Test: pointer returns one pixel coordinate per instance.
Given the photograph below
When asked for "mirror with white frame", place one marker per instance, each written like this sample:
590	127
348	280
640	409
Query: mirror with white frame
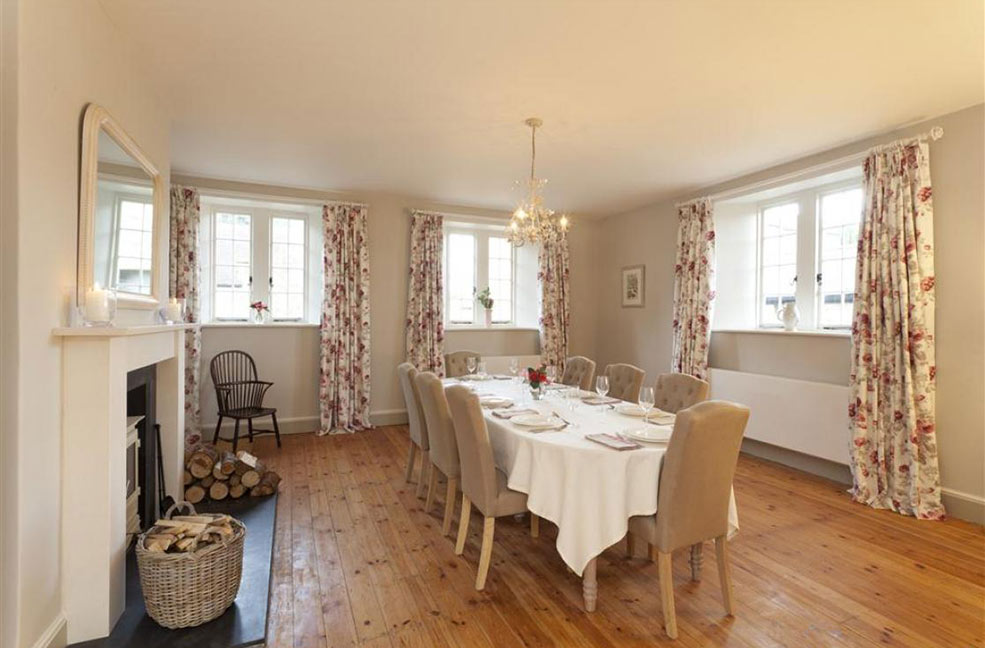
120	208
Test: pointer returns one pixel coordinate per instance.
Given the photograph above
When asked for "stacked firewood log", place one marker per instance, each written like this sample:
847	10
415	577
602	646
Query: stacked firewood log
218	475
186	533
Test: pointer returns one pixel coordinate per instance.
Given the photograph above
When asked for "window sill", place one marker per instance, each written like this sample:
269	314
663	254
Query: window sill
807	333
259	326
489	329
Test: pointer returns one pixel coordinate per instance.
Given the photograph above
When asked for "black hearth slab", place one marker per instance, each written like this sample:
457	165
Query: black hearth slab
243	624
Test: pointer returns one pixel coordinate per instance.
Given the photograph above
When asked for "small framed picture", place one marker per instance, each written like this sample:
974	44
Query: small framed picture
633	286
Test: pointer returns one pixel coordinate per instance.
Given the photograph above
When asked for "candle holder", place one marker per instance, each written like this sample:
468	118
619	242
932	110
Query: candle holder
173	312
99	307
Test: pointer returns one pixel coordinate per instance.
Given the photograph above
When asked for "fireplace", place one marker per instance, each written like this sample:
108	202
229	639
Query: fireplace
141	466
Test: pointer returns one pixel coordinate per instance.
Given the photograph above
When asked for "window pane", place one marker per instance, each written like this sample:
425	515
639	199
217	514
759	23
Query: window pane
461	278
501	279
778	259
232	265
840	216
287	267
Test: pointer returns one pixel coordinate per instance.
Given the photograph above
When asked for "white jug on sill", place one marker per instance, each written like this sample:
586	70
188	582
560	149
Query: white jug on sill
789	315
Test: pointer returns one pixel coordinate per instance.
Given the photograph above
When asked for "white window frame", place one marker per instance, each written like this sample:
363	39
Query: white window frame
819	255
808	292
261	223
482	233
270	269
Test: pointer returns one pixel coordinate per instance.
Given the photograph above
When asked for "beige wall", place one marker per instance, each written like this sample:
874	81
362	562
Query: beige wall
70	54
643	336
389	258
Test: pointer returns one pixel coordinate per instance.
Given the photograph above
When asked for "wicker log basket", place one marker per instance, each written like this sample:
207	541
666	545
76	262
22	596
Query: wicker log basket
197	585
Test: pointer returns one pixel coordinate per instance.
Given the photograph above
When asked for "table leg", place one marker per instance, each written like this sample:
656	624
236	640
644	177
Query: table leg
697	557
590	585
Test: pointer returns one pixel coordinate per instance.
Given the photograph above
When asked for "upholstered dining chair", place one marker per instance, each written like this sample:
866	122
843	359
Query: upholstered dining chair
625	381
415	423
677	391
444	446
694	493
239	394
456	363
483	484
578	372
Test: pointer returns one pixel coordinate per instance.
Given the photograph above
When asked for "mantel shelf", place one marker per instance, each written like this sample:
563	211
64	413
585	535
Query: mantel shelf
119	331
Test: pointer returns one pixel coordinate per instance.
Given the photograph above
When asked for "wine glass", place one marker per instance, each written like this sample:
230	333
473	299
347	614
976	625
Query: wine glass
550	373
514	366
471	363
646	401
602	385
482	369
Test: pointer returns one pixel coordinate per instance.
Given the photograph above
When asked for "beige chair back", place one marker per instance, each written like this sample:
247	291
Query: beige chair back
456	363
474	449
625	381
412	400
579	372
677	391
696	476
437	418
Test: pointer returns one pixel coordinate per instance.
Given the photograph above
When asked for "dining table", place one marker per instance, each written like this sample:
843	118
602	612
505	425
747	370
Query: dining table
587	489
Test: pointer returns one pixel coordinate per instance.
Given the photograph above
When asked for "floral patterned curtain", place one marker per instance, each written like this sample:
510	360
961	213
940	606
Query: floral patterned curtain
892	415
344	386
694	287
183	282
555	312
425	294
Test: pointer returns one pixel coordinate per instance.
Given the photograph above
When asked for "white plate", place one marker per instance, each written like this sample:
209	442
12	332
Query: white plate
630	409
536	421
495	401
650	434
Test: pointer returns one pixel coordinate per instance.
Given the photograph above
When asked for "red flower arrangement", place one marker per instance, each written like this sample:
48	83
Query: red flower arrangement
259	306
536	377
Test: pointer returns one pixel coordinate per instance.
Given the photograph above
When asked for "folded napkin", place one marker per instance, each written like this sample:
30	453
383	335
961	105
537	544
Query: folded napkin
508	413
496	401
661	418
599	400
613	441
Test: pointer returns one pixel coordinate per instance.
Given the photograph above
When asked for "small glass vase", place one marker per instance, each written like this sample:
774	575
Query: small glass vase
537	392
259	316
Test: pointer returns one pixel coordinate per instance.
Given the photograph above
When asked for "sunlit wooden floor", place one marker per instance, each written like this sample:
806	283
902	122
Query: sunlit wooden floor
359	562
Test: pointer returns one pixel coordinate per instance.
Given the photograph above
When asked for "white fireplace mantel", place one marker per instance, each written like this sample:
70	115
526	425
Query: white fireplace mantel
95	362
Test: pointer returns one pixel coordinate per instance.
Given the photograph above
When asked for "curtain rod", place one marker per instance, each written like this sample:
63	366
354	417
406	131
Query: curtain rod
499	220
934	134
250	195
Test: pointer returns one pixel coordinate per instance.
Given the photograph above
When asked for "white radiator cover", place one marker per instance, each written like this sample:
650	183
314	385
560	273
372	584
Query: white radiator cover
808	417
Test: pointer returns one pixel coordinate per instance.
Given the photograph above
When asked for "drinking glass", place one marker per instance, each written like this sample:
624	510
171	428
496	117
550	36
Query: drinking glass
602	385
646	401
482	369
471	363
514	366
550	373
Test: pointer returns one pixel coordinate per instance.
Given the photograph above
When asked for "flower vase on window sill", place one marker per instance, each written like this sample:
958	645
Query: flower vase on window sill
537	378
485	298
259	313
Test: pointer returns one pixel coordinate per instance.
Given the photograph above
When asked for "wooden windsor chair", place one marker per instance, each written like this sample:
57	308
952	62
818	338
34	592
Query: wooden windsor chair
239	394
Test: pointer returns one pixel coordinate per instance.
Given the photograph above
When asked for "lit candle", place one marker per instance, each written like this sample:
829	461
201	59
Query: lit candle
172	311
97	304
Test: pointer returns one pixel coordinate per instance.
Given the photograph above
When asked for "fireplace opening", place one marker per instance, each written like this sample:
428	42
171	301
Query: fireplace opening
142	455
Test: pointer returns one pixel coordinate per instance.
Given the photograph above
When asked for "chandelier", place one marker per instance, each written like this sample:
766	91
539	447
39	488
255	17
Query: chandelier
531	221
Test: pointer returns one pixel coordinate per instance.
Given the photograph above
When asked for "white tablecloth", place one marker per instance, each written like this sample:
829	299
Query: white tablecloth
588	490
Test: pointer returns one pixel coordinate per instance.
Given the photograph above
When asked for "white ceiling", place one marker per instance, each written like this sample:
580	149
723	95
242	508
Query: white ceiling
641	100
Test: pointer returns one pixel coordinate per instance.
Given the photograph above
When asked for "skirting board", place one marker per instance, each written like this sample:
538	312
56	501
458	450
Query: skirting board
304	424
55	635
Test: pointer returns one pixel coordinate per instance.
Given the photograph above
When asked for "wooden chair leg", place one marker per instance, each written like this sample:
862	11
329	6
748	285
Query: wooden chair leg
450	489
463	524
653	552
666	571
410	462
724	573
432	487
236	436
425	471
485	554
697	556
534	525
273	416
630	545
218	424
249	428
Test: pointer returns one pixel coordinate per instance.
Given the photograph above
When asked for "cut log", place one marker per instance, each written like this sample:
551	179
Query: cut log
194	494
267	484
250	478
246	462
189	478
218	474
234	480
227	463
202	461
236	490
219	490
207	481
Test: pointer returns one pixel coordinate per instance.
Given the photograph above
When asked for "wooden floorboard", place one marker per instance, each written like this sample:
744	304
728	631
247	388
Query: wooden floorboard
359	562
